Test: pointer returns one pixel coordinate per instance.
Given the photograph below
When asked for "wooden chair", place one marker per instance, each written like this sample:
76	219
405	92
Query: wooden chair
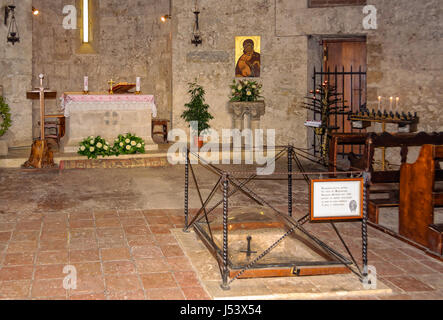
164	128
55	125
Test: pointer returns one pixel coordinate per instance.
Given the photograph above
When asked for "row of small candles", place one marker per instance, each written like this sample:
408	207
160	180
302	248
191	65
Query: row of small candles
391	100
86	84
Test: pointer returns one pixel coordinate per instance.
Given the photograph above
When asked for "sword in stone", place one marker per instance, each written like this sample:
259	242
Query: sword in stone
248	251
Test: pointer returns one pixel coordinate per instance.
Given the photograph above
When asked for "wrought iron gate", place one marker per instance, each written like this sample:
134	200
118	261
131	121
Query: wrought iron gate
351	85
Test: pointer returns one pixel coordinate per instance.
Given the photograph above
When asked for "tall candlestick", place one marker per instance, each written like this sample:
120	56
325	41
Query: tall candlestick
137	85
85	84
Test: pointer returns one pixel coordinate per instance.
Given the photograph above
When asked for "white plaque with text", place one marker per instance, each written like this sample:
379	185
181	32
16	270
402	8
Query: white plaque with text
336	199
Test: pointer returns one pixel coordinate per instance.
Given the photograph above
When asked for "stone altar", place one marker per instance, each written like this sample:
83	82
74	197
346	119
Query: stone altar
107	116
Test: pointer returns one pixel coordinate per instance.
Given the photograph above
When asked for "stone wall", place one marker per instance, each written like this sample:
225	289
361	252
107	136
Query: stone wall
128	40
404	56
16	72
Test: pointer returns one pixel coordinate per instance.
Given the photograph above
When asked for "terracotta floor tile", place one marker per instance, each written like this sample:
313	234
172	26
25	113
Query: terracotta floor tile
83	244
53	271
159	220
52	257
172	251
186	279
130	213
158	280
137	231
413	266
55	225
87	284
115	254
160	228
132	295
5	226
22	246
48	288
127	222
83	255
165	294
90	296
83	234
17	259
25	235
195	293
28	226
88	268
408	283
80	224
81	216
53	245
61	234
109	243
141	241
14	289
110	234
118	267
16	273
122	283
107	223
179	264
433	264
165	239
146	252
5	236
154	213
151	265
105	214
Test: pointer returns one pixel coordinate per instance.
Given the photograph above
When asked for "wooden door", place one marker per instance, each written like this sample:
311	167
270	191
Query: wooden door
348	59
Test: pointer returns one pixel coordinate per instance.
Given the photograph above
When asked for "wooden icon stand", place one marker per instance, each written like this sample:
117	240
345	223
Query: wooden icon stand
41	156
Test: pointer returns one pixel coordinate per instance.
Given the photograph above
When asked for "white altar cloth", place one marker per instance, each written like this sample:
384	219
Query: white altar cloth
107	116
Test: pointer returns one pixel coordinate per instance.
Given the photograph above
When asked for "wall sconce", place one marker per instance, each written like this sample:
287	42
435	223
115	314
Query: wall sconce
35	11
196	37
165	17
13	35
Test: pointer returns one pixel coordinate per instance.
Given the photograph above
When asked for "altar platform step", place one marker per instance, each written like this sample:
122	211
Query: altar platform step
156	158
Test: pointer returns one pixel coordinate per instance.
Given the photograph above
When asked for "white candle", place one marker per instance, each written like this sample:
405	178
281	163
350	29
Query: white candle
379	102
396	103
137	85
85	84
390	104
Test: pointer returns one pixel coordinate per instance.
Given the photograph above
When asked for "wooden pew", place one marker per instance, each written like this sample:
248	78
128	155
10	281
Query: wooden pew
418	197
383	181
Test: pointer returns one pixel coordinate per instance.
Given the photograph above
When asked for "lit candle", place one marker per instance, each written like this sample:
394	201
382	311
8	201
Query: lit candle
379	102
137	84
85	84
390	103
396	103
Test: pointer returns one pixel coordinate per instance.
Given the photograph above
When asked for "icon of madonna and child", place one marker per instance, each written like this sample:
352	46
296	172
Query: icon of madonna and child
248	57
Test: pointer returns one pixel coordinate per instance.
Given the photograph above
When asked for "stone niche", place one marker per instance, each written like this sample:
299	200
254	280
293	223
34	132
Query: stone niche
251	111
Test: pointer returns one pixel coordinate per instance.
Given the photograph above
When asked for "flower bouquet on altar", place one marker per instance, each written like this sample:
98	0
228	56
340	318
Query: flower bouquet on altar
128	144
245	90
92	147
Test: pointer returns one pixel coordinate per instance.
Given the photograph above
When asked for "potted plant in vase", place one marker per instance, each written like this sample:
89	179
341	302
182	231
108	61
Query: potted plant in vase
244	100
197	111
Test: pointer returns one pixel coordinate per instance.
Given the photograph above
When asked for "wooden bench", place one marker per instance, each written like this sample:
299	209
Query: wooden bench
419	197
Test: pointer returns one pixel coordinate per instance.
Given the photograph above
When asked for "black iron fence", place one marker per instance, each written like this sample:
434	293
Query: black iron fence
351	86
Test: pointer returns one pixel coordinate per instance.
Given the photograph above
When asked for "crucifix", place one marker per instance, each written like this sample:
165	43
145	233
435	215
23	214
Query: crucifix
111	85
41	156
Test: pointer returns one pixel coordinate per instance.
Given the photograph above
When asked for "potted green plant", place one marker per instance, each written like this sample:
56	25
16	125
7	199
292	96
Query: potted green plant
5	124
197	111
